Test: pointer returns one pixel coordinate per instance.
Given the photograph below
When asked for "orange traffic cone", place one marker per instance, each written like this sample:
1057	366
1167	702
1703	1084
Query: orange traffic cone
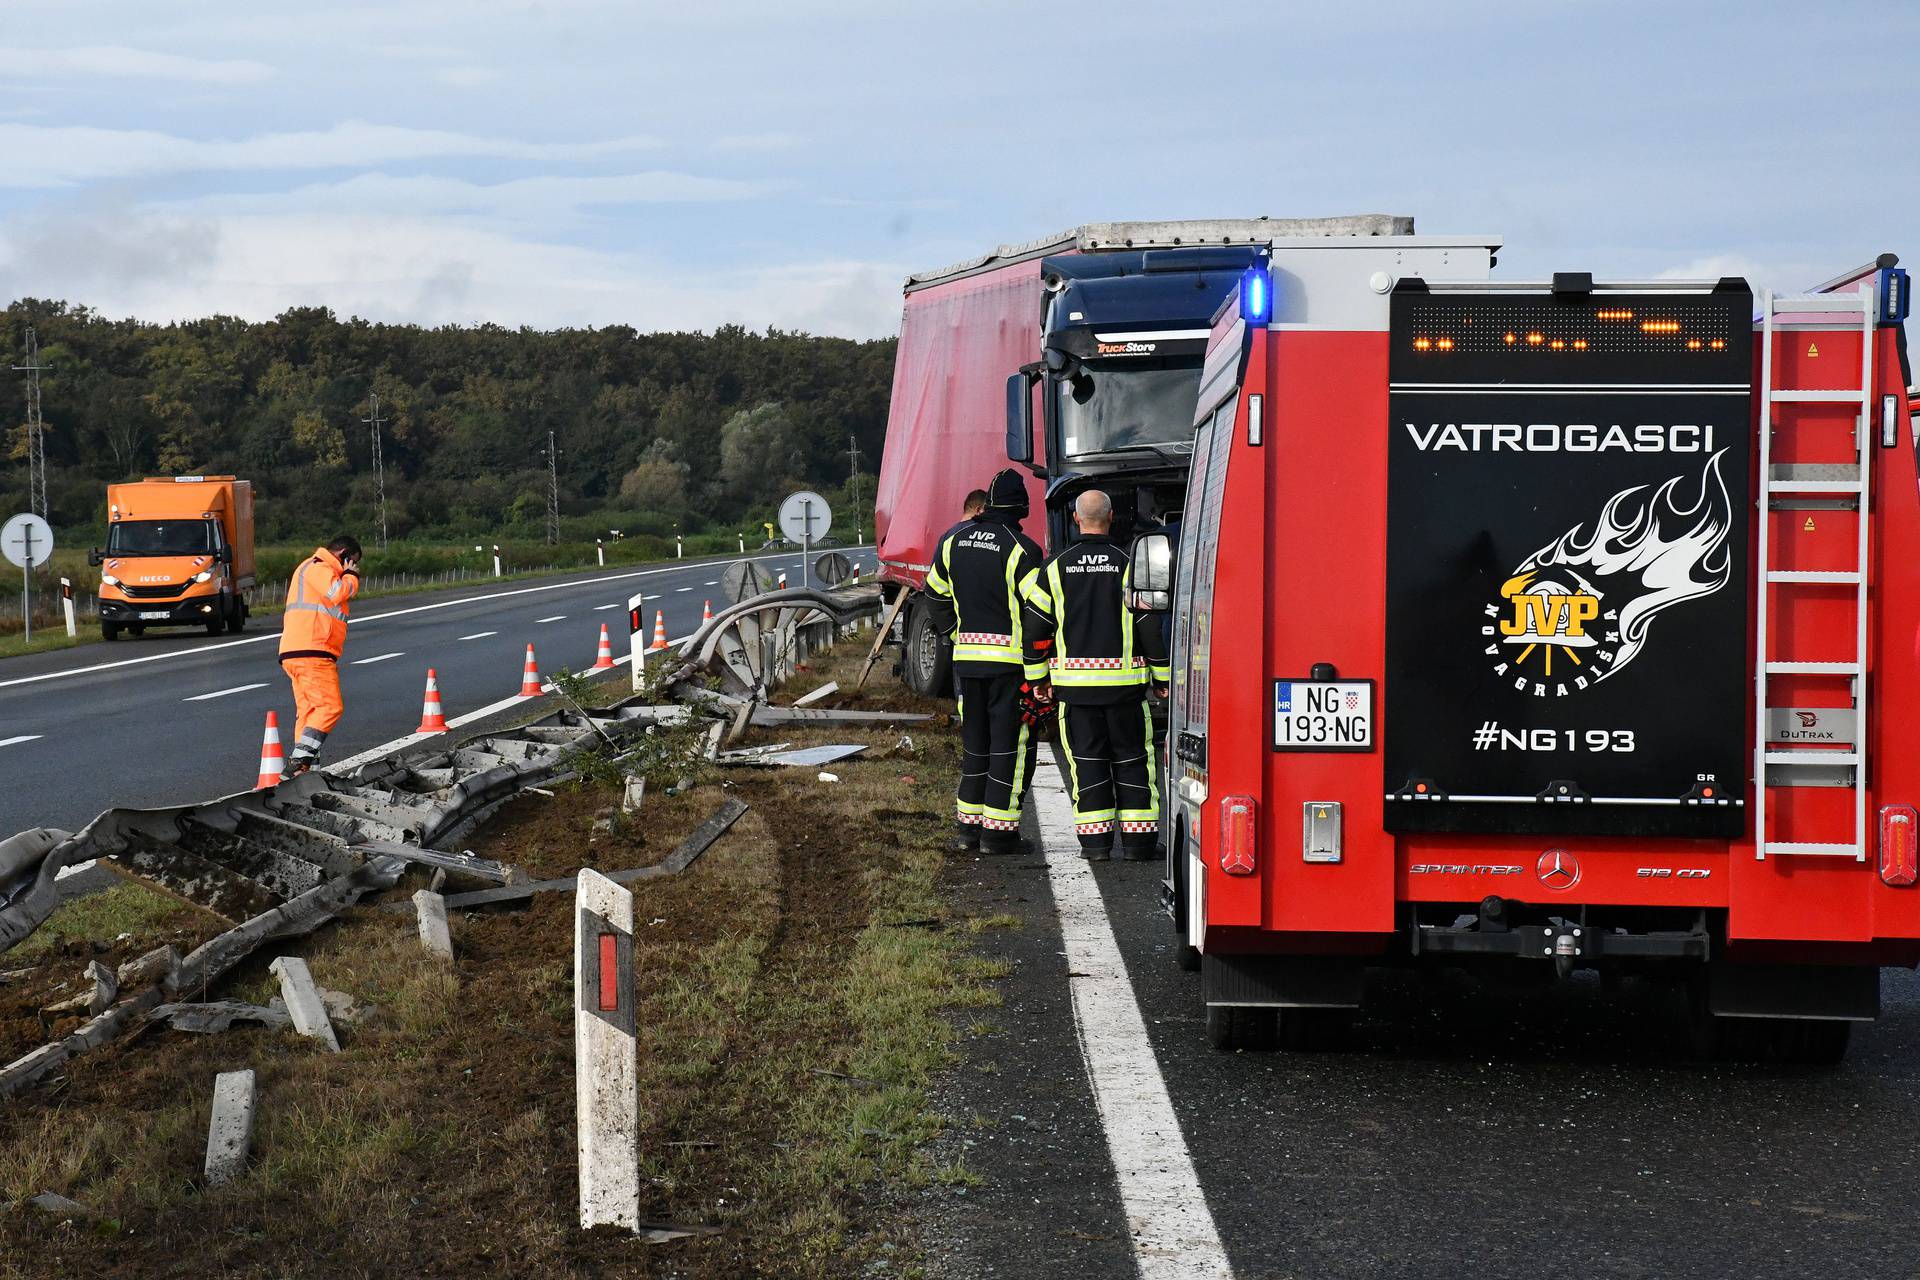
273	760
603	661
706	612
530	677
432	718
659	632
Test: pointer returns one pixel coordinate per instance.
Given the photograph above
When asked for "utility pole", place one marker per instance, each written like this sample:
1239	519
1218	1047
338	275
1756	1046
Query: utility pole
553	491
36	430
853	483
379	466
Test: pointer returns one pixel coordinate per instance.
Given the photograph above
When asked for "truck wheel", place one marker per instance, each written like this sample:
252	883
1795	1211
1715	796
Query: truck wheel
1241	1027
1811	1042
1185	954
240	615
928	664
109	631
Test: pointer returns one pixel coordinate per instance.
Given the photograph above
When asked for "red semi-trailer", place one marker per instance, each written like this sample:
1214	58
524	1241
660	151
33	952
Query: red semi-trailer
1109	324
1573	625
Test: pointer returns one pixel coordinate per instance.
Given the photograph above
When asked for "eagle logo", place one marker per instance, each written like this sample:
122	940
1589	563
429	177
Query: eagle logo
1579	609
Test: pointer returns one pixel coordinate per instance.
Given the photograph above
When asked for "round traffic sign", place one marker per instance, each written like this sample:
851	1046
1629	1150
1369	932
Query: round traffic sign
744	580
804	517
832	568
26	540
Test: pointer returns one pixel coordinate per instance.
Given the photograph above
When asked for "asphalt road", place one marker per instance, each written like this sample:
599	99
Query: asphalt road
176	716
1465	1130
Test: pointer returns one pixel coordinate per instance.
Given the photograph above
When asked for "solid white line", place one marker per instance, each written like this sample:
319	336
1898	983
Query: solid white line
274	636
25	737
382	657
558	617
480	635
219	693
1174	1237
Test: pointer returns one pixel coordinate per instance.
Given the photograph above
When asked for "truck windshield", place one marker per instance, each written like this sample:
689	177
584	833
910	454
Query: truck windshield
1128	404
161	538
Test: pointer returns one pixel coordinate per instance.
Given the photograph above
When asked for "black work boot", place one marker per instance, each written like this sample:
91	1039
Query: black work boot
965	840
1096	852
1140	852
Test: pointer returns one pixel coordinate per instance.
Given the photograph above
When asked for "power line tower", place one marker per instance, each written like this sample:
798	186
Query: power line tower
374	420
36	430
853	483
553	492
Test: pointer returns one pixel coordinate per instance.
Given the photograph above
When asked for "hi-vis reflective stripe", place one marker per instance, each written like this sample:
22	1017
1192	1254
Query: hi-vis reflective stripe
327	609
1100	664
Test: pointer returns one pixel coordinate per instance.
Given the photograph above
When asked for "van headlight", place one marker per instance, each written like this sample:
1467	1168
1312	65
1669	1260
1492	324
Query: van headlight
108	580
205	575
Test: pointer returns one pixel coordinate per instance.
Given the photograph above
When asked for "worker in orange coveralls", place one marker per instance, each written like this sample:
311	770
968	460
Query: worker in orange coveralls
311	636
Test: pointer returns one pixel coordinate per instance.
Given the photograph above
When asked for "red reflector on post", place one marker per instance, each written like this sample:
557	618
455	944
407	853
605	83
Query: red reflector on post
1237	833
1899	858
609	972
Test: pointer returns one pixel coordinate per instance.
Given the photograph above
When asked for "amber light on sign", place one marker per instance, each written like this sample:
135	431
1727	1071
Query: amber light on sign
1534	339
1694	344
1445	344
1660	326
1579	344
1510	339
1421	344
1718	344
1613	315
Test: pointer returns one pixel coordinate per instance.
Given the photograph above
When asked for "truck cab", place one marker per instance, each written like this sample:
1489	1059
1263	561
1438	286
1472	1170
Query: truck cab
179	553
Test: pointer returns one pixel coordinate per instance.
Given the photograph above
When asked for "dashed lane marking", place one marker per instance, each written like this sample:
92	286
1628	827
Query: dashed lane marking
683	588
480	635
274	636
379	657
710	584
602	608
219	693
19	738
558	617
1174	1237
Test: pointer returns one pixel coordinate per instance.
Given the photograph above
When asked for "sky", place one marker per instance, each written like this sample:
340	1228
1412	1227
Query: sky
686	165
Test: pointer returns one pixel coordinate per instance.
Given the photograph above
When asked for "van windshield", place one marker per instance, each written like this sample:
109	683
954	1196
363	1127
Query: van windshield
1128	404
161	538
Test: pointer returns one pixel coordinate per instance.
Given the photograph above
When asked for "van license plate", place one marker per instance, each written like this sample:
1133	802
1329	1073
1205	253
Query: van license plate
1323	715
155	615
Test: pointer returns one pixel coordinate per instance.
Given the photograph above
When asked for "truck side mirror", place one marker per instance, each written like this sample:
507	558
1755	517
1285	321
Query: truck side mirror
95	558
1020	419
1151	577
224	555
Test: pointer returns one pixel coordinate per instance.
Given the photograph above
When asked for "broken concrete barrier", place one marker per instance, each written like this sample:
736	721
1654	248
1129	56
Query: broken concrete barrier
230	1132
304	1006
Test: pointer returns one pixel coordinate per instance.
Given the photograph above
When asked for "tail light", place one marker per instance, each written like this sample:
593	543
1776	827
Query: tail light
1237	833
1899	858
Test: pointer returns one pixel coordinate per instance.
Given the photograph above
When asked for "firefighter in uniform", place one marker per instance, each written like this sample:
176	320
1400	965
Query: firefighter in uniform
1102	658
974	589
312	634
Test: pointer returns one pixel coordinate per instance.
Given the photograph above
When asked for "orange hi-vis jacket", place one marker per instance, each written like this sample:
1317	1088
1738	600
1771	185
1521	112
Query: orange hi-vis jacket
316	620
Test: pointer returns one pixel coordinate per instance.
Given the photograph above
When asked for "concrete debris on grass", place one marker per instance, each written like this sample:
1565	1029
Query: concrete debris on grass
431	909
59	1206
213	1016
230	1131
309	1012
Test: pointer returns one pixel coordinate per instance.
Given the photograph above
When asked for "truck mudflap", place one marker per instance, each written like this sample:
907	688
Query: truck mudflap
1274	981
1842	992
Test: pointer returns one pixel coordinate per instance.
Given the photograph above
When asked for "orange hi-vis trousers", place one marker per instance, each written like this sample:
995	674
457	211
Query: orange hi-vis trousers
317	705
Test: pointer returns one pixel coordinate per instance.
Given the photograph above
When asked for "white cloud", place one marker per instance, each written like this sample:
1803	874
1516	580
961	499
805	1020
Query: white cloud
466	77
425	270
120	62
55	155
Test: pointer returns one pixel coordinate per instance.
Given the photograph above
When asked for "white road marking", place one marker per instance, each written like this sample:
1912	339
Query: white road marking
1174	1237
24	737
219	693
683	588
400	744
274	636
558	617
711	584
480	635
602	608
379	657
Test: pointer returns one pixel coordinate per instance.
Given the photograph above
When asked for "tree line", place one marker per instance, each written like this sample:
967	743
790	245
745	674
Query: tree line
653	430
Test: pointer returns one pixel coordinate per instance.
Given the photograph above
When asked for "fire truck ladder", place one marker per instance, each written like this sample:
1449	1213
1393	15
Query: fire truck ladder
1846	484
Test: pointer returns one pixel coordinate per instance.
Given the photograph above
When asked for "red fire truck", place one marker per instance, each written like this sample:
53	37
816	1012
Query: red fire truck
1572	625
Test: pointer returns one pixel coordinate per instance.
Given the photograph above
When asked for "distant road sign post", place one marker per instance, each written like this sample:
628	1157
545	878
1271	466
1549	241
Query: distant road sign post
805	516
26	540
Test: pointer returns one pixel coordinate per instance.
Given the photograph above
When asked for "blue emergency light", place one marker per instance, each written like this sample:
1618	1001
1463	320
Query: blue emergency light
1895	290
1256	296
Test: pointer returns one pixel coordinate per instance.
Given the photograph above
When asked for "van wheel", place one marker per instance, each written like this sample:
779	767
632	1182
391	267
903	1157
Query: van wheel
109	631
928	663
218	624
1241	1027
240	615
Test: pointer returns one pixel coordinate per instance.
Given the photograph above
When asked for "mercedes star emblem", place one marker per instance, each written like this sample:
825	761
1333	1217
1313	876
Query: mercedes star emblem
1558	870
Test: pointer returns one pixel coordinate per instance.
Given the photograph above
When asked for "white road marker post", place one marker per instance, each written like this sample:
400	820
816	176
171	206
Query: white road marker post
600	550
66	604
496	562
606	1054
636	639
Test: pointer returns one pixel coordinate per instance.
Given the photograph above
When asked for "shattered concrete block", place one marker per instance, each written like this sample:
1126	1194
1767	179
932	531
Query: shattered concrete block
636	791
304	1006
105	987
828	689
59	1206
431	909
230	1132
158	966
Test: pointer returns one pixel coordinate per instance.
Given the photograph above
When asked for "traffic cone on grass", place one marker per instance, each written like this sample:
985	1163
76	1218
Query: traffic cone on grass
530	677
603	661
659	632
432	718
273	760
